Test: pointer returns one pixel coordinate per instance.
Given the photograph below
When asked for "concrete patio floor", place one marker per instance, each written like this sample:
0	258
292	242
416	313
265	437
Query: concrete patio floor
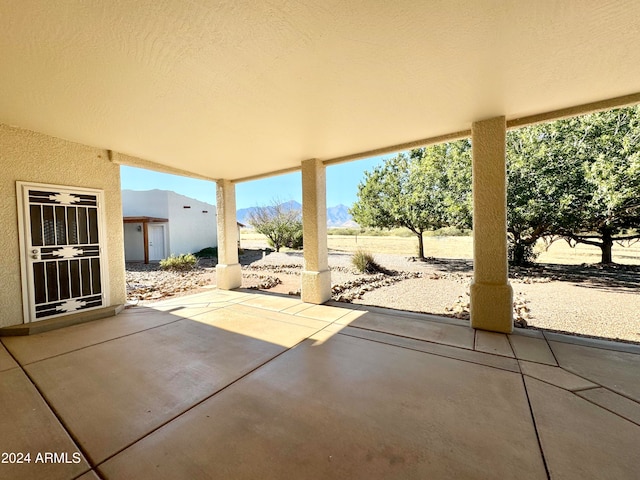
250	385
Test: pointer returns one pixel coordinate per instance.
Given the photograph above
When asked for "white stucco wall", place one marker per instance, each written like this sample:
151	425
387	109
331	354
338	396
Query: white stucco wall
33	157
133	242
188	230
191	229
147	203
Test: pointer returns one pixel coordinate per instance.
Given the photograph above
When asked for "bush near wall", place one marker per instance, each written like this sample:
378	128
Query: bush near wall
186	261
209	252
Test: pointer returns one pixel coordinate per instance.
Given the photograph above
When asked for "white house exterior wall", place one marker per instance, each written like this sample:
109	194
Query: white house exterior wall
148	203
187	231
133	242
190	229
33	157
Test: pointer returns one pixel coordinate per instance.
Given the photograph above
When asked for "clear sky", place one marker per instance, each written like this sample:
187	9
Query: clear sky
342	185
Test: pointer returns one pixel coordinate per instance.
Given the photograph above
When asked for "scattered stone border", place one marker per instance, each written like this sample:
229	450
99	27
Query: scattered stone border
268	281
461	308
154	284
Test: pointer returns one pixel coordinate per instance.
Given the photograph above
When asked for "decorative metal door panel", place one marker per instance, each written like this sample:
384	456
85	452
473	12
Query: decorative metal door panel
62	249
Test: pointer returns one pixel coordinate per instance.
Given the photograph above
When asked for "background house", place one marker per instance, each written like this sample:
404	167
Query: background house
159	223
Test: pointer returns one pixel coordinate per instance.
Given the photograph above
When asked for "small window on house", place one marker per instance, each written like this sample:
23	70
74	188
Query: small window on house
205	211
186	206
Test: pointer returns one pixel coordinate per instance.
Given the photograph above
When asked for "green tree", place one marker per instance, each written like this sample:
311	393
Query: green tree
420	191
608	144
279	222
545	186
578	178
452	161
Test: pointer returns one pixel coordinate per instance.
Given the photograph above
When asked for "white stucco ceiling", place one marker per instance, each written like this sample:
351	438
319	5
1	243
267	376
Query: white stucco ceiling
230	89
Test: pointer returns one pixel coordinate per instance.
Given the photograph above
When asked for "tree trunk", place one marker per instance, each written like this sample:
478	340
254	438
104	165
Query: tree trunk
607	243
420	246
519	253
516	250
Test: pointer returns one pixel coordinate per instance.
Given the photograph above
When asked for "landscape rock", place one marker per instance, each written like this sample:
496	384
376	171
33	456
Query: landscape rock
149	282
461	308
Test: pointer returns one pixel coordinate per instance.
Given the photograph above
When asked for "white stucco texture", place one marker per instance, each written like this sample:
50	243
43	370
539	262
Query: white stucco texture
33	157
228	272
231	89
491	294
133	242
316	277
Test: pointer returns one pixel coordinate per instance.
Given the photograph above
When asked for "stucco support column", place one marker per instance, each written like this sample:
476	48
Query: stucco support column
228	273
316	278
491	293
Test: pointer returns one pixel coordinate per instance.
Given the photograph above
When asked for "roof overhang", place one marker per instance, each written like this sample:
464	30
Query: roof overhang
144	220
239	90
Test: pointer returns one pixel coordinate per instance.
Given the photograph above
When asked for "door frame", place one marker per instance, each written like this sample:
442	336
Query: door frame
24	236
164	239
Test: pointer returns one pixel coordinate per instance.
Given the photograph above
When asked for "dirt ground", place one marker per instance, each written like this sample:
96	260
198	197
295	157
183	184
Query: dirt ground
586	299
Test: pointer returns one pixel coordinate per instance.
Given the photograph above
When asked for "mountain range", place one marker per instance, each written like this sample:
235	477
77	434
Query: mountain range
337	216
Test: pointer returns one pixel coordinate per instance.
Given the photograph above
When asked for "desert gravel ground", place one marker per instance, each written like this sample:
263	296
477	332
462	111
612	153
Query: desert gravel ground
583	300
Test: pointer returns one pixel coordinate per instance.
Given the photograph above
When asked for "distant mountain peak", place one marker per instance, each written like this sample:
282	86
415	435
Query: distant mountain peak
292	205
337	216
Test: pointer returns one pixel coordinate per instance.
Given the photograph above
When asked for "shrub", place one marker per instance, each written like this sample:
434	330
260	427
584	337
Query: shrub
209	252
280	222
185	261
364	262
295	239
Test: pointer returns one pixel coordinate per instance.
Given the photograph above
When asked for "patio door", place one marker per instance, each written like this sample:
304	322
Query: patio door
61	246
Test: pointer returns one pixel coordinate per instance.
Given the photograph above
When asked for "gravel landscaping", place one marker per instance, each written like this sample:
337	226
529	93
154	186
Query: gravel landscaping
586	300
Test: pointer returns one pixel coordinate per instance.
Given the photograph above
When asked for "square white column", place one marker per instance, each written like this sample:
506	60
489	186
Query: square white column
316	277
228	273
491	293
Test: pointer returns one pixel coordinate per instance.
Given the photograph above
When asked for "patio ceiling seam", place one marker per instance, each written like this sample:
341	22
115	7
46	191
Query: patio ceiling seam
585	108
511	124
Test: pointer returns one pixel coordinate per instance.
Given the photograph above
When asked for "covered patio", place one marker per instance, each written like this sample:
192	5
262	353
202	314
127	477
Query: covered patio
233	384
236	384
233	92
